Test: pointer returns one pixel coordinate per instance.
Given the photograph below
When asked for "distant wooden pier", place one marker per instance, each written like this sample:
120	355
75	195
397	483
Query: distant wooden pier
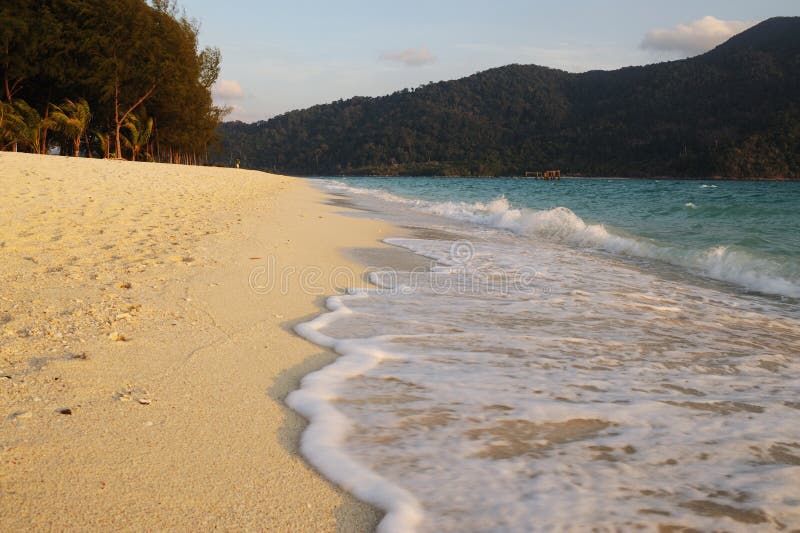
544	174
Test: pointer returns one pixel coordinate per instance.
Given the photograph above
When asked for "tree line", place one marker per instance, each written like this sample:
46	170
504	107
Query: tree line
732	112
122	79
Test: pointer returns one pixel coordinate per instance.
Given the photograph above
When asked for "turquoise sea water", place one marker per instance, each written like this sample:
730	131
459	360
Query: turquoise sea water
756	216
581	355
746	233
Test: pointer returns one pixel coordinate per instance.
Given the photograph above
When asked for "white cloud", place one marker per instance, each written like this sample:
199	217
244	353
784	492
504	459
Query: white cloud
695	37
410	57
228	90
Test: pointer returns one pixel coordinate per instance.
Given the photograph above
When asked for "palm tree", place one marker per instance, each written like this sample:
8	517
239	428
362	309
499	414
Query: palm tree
105	143
72	120
138	134
5	128
23	125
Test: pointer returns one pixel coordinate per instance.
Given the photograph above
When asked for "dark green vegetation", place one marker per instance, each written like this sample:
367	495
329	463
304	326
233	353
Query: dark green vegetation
732	112
117	79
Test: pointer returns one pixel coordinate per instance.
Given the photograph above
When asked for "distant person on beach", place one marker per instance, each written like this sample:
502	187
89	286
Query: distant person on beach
237	163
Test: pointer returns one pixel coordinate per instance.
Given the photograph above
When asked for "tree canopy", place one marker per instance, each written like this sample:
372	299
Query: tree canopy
129	61
732	112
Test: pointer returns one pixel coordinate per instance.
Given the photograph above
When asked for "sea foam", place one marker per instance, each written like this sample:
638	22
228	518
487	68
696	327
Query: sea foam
596	396
760	273
593	395
322	441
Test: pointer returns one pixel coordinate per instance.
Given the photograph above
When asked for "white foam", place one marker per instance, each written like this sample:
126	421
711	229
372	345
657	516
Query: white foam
322	442
762	274
695	386
740	267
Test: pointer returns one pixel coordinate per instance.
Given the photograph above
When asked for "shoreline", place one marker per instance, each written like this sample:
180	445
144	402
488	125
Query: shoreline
128	302
556	370
643	178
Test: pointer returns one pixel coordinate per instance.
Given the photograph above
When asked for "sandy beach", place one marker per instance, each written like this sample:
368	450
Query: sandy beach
142	377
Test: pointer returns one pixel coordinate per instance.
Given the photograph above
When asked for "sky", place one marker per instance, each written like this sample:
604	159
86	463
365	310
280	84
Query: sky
283	55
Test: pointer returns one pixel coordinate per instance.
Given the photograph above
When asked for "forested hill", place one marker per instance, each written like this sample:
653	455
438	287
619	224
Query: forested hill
732	112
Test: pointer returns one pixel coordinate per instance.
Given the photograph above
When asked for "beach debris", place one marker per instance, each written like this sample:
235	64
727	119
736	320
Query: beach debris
125	285
82	356
132	392
181	259
65	411
19	415
116	336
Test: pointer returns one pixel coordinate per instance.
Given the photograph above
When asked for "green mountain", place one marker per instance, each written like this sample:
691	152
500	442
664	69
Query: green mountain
732	112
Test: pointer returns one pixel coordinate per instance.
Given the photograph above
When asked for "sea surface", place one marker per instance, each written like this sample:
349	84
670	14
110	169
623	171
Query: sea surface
587	354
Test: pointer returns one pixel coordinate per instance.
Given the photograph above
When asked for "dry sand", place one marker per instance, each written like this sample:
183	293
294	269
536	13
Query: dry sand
125	298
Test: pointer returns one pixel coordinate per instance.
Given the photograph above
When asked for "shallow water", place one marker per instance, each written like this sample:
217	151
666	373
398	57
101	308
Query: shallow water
536	377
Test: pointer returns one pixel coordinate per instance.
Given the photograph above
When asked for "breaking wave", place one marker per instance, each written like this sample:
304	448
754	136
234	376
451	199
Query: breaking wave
756	272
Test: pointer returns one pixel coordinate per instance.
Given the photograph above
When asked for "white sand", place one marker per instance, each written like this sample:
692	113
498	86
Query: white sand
182	425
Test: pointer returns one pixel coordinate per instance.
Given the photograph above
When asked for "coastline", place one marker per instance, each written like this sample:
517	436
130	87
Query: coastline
568	177
593	353
143	377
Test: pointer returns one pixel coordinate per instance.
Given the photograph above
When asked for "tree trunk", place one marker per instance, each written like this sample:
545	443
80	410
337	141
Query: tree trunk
117	143
118	121
43	148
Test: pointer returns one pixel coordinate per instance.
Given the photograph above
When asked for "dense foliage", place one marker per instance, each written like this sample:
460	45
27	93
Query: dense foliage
115	79
734	112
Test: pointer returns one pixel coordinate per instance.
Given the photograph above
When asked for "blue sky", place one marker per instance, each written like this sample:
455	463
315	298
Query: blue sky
278	56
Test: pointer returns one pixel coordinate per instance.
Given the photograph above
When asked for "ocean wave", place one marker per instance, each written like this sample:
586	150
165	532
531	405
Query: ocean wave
322	441
760	273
